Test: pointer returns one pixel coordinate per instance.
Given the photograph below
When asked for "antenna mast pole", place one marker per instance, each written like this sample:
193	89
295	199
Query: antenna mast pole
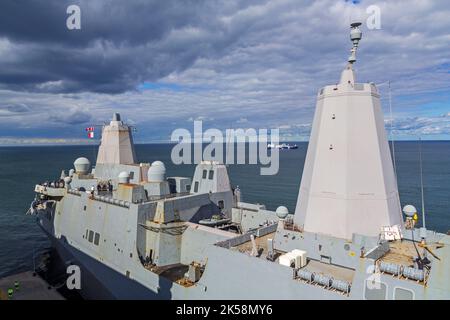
392	134
421	182
355	37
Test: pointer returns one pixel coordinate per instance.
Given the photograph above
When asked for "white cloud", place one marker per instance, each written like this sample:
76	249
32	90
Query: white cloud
11	141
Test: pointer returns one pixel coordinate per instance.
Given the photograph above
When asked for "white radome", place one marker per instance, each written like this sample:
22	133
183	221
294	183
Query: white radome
124	177
157	172
82	165
409	210
282	212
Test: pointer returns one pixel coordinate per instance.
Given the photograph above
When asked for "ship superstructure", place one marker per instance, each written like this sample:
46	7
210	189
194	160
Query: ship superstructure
137	233
347	138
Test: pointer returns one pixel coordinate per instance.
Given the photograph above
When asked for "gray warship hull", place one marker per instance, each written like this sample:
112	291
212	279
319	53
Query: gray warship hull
226	278
100	282
137	234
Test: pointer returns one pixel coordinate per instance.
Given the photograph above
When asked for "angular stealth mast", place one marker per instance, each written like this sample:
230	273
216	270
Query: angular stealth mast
117	143
348	184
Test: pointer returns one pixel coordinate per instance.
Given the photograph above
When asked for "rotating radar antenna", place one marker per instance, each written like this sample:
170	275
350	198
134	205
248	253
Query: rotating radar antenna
355	37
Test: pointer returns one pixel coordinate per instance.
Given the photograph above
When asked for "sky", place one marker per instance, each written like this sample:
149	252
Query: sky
231	64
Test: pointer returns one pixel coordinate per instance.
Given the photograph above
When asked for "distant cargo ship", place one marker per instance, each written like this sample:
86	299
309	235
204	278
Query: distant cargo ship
283	146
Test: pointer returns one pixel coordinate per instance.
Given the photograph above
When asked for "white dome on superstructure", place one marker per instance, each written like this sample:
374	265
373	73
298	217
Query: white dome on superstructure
157	172
409	210
124	177
158	163
282	212
82	165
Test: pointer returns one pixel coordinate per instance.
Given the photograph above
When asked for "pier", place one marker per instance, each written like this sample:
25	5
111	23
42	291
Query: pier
27	286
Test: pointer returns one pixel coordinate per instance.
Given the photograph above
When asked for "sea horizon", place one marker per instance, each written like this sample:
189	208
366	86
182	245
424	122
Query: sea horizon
97	143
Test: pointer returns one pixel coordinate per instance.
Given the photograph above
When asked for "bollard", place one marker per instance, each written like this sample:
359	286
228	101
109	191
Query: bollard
16	285
10	293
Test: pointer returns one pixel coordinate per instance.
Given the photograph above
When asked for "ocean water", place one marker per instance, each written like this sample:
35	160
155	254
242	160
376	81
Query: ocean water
22	167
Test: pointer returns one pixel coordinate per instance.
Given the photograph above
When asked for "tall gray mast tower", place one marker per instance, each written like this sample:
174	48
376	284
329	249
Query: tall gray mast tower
348	184
116	146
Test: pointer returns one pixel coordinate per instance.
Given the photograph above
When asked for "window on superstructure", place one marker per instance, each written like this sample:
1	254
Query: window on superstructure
211	174
205	172
91	235
196	186
97	238
87	233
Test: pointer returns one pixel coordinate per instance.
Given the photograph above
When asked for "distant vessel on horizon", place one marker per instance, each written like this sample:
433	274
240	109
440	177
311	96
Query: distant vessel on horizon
283	146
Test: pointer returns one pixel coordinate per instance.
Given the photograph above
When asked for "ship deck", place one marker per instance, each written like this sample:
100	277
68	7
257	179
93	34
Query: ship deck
404	252
338	272
261	245
174	272
401	252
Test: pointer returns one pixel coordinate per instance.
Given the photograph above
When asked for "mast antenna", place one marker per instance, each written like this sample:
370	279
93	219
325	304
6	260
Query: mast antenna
421	182
391	129
355	36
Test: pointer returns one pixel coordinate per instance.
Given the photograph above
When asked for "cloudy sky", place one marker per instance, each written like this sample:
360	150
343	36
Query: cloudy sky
232	64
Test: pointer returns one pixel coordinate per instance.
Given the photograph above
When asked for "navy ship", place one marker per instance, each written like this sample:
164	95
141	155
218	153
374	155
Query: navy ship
283	146
136	233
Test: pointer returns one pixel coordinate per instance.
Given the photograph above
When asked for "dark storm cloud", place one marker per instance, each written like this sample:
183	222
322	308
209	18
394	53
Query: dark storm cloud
120	44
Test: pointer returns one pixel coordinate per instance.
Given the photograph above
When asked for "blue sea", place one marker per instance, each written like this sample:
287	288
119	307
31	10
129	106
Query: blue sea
22	167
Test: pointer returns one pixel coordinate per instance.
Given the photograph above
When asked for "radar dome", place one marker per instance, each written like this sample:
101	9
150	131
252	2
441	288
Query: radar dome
157	172
158	163
124	177
82	165
282	212
409	210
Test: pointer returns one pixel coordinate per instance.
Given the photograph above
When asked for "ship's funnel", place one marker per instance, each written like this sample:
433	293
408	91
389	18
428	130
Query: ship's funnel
116	146
348	184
